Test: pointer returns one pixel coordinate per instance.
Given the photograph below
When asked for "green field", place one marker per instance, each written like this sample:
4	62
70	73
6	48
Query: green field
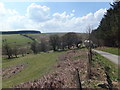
37	65
110	50
16	39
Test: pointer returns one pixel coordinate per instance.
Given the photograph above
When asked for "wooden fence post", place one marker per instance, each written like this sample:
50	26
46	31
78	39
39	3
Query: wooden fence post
89	62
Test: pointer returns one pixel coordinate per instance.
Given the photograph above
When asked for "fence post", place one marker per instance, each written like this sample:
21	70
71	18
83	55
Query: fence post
78	79
89	62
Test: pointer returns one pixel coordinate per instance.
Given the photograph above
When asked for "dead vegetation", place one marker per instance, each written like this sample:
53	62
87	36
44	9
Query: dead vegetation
65	75
10	71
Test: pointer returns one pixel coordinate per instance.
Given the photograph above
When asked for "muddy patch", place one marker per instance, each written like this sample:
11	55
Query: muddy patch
10	71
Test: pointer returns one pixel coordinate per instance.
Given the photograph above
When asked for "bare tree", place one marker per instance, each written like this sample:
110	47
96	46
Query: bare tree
15	50
7	49
70	39
43	46
22	51
54	41
34	47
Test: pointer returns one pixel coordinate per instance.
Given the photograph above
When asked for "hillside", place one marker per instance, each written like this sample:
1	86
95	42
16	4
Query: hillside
56	70
30	67
16	40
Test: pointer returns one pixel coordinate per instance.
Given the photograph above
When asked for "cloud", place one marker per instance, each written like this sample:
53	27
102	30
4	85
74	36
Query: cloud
6	12
99	14
2	10
68	23
63	16
6	17
38	13
39	17
73	11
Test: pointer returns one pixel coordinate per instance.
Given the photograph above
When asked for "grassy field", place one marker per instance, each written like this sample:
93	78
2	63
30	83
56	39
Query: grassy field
37	65
16	39
110	50
40	64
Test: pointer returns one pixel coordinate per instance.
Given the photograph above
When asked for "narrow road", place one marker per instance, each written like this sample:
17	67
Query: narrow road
109	56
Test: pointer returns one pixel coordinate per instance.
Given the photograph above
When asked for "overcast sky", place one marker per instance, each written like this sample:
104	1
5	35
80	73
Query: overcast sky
51	16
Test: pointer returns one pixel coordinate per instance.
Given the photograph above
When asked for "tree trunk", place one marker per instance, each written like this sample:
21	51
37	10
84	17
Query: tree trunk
9	56
16	55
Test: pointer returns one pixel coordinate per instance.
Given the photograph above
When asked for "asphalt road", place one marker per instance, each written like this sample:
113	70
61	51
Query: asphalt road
109	56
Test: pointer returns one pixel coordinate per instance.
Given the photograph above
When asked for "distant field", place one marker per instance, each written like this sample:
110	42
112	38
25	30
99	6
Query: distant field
110	50
37	65
44	35
16	39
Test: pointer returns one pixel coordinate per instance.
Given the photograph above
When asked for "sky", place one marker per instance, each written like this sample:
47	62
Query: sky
51	16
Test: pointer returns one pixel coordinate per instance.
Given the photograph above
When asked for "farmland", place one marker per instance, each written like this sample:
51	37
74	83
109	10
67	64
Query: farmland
16	39
54	69
74	57
36	66
62	70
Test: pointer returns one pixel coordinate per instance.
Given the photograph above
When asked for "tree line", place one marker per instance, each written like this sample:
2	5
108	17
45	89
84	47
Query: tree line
107	32
13	51
55	43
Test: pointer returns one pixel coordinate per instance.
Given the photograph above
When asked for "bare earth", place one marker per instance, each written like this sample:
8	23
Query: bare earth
10	71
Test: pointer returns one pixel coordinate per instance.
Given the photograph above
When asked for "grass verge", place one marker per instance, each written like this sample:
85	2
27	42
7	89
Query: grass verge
110	50
114	70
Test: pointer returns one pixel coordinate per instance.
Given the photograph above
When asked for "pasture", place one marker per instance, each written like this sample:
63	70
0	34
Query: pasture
16	39
54	69
35	67
58	66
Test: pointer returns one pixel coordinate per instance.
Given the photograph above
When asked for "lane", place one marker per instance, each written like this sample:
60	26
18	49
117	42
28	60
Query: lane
109	56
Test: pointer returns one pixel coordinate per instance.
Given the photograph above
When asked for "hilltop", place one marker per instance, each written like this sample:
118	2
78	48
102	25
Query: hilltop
20	32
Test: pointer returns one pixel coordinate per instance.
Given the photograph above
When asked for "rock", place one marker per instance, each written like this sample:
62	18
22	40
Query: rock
13	72
82	82
58	65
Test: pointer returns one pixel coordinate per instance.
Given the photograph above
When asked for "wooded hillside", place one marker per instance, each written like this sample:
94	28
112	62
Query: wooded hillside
107	32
